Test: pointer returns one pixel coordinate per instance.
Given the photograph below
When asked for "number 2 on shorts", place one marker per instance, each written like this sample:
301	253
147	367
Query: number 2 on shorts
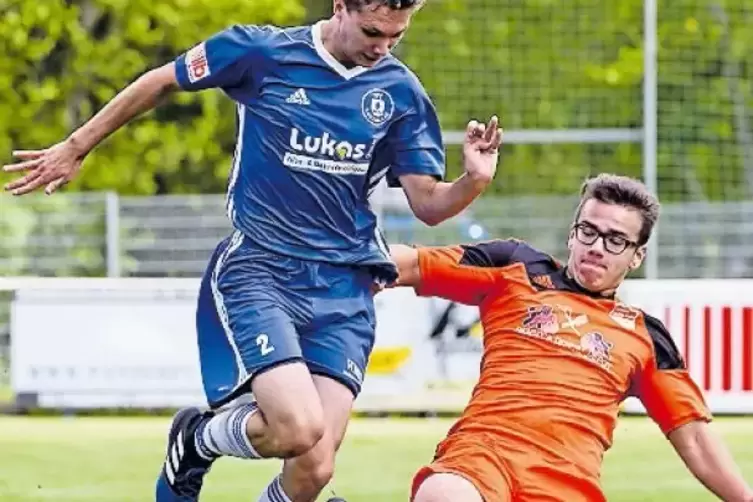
262	341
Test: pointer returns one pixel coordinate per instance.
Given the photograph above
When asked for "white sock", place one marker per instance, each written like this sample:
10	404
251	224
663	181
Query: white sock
274	492
225	434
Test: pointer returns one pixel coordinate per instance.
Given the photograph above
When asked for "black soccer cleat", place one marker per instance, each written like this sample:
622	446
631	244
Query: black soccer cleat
183	471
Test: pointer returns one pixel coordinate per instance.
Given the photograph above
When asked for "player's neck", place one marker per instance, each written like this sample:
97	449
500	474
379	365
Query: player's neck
607	293
330	42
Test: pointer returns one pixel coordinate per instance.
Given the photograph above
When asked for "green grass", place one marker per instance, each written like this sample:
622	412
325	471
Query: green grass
116	459
6	394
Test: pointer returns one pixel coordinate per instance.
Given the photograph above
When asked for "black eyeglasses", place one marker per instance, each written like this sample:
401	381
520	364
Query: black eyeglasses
613	243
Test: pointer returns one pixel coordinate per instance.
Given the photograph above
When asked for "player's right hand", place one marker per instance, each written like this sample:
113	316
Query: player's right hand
481	149
52	168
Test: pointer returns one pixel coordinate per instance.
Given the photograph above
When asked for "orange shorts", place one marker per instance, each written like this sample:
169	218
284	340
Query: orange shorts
509	471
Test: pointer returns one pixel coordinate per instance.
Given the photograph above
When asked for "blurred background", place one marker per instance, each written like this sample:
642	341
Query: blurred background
656	89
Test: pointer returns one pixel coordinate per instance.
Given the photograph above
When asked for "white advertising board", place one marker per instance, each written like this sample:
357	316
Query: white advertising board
83	343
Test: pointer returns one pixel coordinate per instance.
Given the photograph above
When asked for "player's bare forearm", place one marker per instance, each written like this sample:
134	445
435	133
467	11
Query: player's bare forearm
406	259
55	166
434	202
709	460
139	97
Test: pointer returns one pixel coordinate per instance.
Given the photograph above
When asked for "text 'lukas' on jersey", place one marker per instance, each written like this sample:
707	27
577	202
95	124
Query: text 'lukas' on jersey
327	154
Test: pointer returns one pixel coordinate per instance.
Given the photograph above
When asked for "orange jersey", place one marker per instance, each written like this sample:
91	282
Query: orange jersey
558	360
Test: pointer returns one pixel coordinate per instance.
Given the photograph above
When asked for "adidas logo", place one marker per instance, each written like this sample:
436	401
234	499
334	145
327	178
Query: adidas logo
298	98
172	462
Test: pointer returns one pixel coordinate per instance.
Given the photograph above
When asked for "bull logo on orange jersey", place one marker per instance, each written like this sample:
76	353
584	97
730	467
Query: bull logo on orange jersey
542	319
596	346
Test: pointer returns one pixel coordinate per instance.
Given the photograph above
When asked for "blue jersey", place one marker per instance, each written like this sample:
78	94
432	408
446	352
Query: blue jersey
314	139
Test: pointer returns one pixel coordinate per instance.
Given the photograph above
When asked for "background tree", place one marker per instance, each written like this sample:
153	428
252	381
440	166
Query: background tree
63	60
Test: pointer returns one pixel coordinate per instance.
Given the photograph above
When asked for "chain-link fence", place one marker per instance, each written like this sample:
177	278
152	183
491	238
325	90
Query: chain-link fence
173	236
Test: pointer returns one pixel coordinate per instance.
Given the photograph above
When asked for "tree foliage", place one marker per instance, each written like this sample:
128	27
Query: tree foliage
539	64
542	64
64	59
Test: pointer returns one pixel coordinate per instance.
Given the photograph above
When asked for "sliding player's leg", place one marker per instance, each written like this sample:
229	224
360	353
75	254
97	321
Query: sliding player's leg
546	478
465	467
447	487
247	342
336	346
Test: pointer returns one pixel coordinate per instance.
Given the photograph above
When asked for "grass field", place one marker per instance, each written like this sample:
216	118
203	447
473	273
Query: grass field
116	459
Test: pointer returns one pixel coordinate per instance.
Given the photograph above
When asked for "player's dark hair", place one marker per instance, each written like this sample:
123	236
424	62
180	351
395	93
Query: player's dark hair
392	4
622	191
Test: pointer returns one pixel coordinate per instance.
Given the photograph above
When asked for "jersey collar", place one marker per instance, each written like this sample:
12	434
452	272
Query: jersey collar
337	66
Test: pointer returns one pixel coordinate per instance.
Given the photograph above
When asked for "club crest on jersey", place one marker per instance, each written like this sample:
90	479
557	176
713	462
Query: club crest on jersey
197	63
377	106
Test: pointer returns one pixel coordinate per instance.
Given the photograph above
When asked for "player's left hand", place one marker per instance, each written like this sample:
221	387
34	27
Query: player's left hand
481	149
52	168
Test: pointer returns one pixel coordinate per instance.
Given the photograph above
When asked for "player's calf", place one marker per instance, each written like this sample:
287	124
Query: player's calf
307	475
304	484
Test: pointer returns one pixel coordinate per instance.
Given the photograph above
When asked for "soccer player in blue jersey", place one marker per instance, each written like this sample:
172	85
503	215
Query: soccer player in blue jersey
285	310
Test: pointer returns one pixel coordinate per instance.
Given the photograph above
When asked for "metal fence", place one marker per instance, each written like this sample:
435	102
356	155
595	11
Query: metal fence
106	235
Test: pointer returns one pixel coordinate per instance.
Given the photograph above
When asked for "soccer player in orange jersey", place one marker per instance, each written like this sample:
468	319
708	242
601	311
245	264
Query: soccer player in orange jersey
561	352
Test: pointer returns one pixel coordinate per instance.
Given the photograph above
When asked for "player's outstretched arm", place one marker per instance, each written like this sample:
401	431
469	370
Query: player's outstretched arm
461	273
55	166
709	460
406	259
434	202
675	402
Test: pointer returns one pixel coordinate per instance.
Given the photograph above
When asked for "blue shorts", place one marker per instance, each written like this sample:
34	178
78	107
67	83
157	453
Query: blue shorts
257	310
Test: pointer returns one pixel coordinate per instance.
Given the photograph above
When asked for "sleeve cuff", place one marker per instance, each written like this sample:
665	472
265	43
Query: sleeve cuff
668	428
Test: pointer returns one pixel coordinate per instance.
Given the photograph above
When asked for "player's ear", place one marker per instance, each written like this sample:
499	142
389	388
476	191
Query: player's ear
638	257
338	7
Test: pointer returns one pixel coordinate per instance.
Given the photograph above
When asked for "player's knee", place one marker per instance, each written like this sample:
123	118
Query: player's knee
299	440
298	431
293	412
447	488
429	492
